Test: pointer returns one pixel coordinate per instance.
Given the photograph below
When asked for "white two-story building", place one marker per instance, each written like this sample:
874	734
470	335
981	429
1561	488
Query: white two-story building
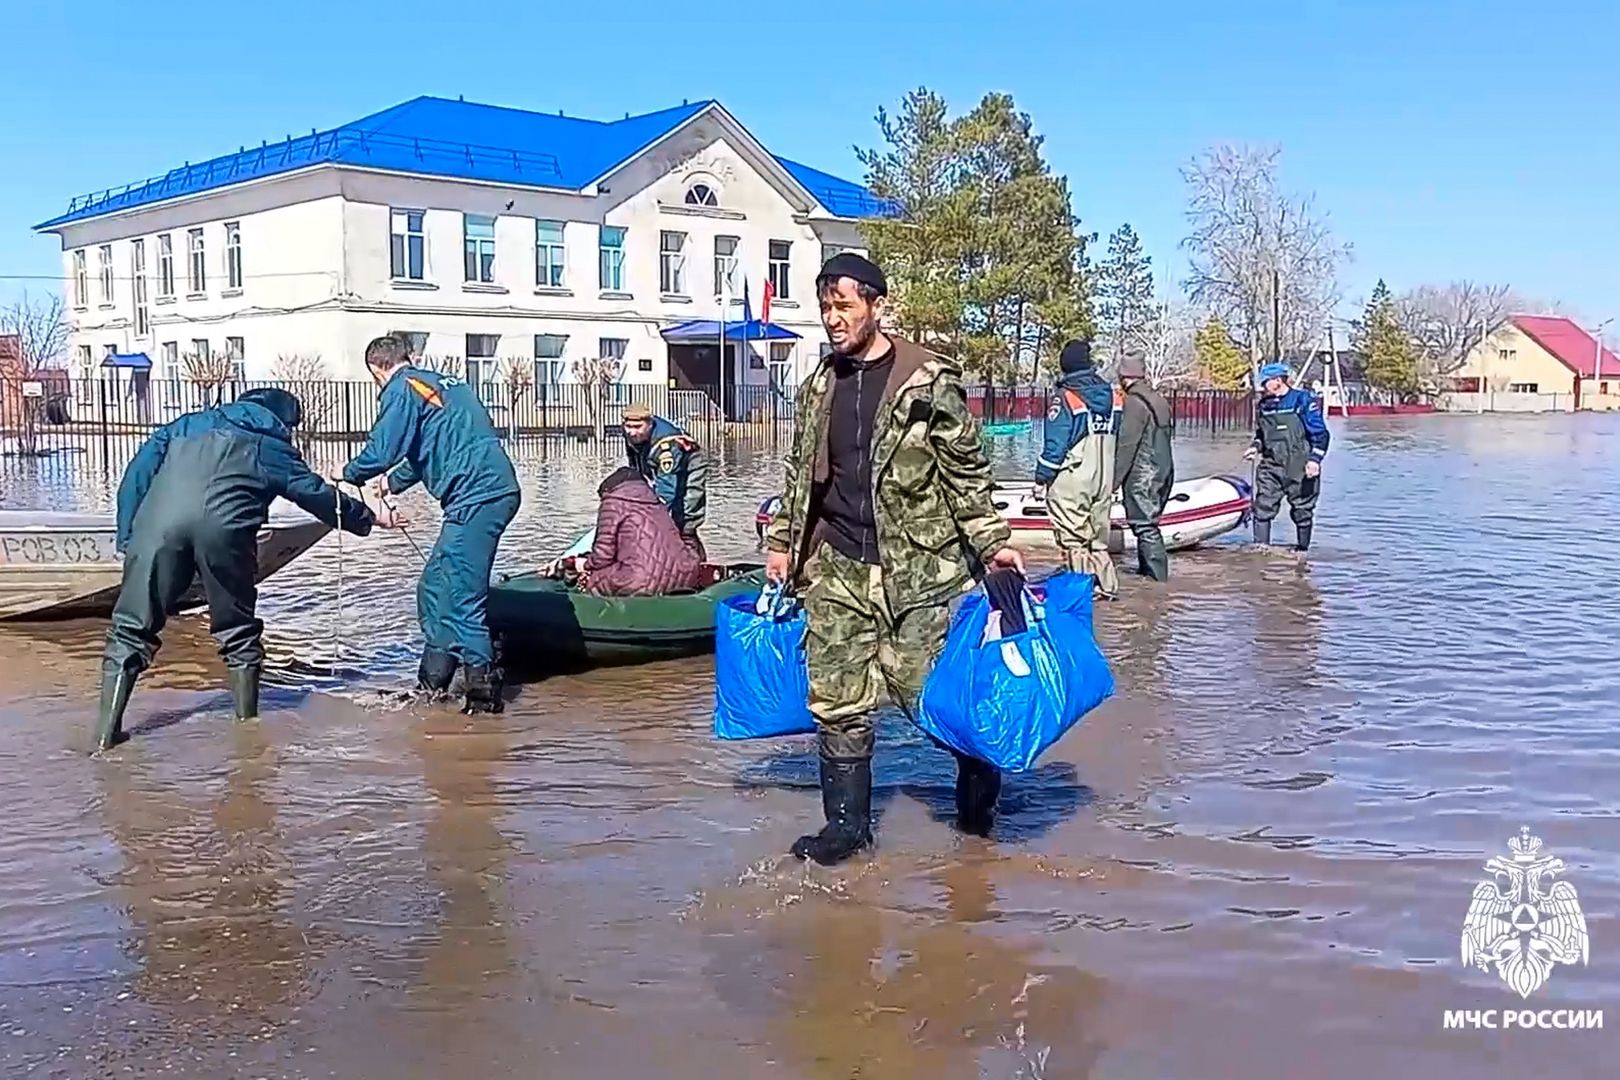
493	239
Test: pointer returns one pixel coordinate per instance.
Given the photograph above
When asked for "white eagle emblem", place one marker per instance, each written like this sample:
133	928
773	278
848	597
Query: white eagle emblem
1521	921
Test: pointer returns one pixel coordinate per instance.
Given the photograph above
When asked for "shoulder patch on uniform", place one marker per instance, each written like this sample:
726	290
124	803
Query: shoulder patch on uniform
425	391
1073	399
666	462
1056	410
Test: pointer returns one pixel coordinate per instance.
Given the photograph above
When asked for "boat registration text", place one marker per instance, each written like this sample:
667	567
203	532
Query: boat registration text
56	549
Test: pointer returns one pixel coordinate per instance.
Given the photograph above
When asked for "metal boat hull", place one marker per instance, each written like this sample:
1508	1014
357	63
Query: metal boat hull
66	566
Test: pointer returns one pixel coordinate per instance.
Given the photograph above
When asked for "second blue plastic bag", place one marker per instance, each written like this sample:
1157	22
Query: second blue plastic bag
1006	700
761	683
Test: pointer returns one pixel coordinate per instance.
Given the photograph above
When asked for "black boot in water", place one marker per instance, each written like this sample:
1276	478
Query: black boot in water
245	691
1302	537
116	684
846	799
978	786
1262	532
483	689
435	671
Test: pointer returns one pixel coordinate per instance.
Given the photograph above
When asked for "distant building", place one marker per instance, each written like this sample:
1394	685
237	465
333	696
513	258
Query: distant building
490	235
1540	362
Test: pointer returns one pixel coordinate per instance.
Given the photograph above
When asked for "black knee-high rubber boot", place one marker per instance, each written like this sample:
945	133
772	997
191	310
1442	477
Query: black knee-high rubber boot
846	800
245	690
435	671
116	685
1262	531
483	690
1302	537
978	786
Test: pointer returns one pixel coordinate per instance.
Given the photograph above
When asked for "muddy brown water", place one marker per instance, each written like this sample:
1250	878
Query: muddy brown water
1255	860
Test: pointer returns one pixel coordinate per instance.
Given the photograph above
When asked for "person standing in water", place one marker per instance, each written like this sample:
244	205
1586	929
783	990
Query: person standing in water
1291	442
1144	469
885	513
432	429
191	503
1077	465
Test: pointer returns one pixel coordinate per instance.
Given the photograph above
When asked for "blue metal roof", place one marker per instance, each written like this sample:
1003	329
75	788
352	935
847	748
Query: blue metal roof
460	139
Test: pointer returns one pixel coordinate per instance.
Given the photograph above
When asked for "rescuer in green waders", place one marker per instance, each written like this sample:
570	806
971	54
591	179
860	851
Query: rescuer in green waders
886	513
192	503
1291	442
1077	465
1143	467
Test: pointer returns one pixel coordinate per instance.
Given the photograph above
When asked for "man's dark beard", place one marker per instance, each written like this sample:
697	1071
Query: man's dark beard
857	343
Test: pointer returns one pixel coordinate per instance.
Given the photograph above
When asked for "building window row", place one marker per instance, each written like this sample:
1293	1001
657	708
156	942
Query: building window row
408	255
196	272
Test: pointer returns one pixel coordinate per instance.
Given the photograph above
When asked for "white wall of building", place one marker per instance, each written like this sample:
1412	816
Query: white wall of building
316	273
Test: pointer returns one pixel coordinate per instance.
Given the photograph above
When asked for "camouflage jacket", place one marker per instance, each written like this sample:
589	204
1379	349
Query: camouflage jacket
930	475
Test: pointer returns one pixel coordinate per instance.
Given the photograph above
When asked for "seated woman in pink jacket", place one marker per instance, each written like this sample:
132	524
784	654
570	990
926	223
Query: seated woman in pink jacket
638	551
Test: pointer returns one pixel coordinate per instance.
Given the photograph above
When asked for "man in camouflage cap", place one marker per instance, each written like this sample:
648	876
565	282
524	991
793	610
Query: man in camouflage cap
886	509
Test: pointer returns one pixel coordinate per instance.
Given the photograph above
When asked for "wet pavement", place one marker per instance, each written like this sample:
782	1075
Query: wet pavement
1255	860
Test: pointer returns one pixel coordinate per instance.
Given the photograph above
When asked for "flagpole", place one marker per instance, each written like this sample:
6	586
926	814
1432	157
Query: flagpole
720	359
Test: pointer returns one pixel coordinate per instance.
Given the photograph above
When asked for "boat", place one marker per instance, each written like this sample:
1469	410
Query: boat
543	624
67	566
1199	510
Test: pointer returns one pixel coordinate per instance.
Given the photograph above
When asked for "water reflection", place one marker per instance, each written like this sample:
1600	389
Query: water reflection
845	988
204	884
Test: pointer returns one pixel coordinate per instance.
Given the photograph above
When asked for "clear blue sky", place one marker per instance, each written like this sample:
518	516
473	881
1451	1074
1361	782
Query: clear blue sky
1445	139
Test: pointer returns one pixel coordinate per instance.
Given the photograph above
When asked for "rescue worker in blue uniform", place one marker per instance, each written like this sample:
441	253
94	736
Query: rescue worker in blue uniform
1077	465
1290	441
672	462
432	429
192	502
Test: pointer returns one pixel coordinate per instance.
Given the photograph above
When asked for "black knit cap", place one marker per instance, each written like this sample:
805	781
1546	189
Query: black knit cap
1076	356
862	270
282	405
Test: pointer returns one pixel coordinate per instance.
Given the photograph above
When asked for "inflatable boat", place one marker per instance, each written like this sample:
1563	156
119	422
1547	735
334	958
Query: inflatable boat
1199	510
544	625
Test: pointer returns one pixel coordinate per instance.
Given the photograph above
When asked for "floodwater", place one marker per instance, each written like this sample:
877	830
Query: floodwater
1254	861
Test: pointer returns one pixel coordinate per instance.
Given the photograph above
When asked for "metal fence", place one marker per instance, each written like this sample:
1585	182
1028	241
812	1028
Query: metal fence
108	419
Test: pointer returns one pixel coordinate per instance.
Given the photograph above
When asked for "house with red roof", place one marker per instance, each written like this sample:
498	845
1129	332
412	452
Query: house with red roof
1542	361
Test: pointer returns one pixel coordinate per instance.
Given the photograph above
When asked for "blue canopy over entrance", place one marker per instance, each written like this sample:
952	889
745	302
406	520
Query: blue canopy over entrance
140	361
704	331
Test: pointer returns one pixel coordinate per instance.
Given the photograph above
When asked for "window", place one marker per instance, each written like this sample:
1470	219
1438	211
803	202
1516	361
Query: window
198	280
1524	388
109	351
672	263
200	353
233	255
415	342
104	264
169	353
701	195
548	362
1507	354
725	266
479	247
614	349
781	362
235	351
481	360
82	354
81	281
781	251
612	268
548	254
830	250
137	275
165	267
407	245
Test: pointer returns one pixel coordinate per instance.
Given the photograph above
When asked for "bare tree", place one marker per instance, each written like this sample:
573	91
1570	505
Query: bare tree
1165	343
1447	322
516	373
316	391
596	374
1246	234
33	339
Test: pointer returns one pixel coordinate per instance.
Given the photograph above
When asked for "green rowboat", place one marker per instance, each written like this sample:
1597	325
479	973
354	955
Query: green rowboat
543	625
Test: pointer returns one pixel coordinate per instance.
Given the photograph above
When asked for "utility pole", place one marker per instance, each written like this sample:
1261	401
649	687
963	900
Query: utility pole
1597	359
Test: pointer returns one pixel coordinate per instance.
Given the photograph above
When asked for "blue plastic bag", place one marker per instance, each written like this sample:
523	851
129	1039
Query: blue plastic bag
761	682
1006	700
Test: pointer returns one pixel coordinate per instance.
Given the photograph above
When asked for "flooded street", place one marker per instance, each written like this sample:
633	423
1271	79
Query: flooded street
1255	860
